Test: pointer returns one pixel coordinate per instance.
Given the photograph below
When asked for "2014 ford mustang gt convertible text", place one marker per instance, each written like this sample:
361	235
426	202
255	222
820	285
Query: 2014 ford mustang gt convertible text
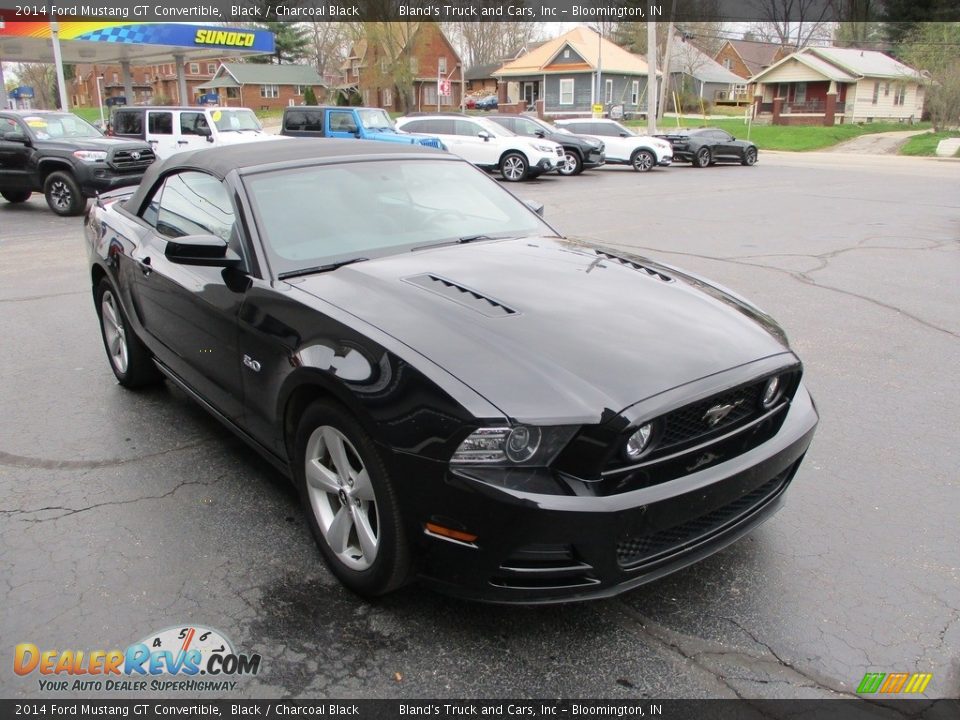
460	394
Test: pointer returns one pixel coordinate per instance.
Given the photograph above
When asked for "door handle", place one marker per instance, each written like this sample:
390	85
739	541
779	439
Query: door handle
181	142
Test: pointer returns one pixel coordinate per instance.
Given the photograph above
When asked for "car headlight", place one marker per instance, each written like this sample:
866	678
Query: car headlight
771	392
545	148
90	155
517	445
638	442
591	143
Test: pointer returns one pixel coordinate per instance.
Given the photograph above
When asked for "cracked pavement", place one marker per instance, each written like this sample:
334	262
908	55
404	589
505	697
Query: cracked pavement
124	513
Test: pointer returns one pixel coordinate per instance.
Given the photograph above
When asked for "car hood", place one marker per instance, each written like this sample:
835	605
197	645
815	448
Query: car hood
549	330
97	143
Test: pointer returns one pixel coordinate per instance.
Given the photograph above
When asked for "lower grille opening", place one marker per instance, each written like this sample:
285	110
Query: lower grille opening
544	567
636	552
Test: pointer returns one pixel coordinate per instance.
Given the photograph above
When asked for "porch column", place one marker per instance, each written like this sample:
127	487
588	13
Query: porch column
127	81
777	108
757	99
501	91
181	80
830	105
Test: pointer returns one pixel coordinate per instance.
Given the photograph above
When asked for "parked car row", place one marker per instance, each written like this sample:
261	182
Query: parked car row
69	160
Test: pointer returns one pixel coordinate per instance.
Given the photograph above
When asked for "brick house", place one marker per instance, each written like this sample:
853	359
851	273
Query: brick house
418	51
748	57
824	86
263	87
152	84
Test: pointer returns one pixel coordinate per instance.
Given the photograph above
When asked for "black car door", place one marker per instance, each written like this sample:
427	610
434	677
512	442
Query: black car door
15	156
188	310
723	145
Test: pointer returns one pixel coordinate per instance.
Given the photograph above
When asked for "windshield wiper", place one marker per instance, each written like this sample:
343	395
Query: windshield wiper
473	238
320	268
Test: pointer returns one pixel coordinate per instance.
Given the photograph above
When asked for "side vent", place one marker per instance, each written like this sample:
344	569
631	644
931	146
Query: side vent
461	295
544	567
636	266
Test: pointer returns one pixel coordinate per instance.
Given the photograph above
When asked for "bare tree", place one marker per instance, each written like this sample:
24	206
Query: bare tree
390	59
794	23
42	77
932	49
329	44
479	43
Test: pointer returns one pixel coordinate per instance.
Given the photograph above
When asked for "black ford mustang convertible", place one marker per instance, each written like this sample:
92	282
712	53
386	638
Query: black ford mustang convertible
460	394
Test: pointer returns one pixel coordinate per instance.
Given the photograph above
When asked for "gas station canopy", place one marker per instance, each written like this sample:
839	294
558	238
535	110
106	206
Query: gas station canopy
136	43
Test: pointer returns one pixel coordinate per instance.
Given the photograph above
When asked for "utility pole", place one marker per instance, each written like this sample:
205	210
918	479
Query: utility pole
652	93
667	59
58	60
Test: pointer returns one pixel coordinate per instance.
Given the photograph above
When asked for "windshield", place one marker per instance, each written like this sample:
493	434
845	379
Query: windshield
51	126
235	120
375	119
330	213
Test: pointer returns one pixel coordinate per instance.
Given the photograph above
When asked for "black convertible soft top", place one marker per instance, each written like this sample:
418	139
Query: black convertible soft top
274	154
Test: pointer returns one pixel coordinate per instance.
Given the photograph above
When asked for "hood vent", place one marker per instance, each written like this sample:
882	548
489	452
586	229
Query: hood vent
636	266
461	295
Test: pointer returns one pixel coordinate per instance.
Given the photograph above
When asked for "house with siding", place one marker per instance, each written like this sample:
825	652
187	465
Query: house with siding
263	87
694	72
559	77
824	86
748	57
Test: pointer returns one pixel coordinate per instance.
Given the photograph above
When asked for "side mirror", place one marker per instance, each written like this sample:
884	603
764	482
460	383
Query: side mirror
205	250
205	131
537	207
540	133
623	134
484	135
17	137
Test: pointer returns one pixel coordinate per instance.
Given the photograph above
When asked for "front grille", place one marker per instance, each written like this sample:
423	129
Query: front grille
633	552
690	422
544	567
124	160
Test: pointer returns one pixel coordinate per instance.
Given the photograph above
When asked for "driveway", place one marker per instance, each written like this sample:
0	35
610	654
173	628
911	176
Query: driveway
876	143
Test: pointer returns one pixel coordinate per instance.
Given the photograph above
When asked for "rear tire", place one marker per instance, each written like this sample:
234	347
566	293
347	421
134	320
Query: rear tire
349	500
129	358
16	196
643	161
63	194
513	167
702	159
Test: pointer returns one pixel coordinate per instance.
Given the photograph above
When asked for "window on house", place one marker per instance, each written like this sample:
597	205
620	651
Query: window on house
116	78
366	96
566	91
876	92
727	63
442	65
635	92
608	92
414	65
800	93
886	90
387	96
194	68
566	54
900	94
211	68
269	91
355	67
233	93
739	89
298	89
430	94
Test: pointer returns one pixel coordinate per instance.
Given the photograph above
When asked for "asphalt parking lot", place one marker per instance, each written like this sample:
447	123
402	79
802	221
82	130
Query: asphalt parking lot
125	513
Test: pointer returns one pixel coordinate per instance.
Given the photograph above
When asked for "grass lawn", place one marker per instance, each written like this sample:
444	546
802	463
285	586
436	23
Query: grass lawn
788	137
927	144
90	113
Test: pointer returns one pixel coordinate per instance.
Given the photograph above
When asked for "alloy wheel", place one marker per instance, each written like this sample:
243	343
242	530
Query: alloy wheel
569	166
62	197
643	161
513	168
342	498
114	332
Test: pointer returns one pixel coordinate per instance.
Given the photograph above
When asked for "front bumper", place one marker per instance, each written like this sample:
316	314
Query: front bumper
100	179
595	158
537	547
546	164
666	161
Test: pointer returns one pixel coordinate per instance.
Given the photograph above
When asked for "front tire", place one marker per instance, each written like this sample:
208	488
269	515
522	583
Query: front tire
129	358
572	164
349	501
16	196
702	159
643	161
749	157
63	194
513	167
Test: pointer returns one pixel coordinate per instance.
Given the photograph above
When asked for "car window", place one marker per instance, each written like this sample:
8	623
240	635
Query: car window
526	127
191	123
192	203
128	123
466	128
605	129
508	123
60	125
304	120
160	123
439	126
329	213
341	121
8	125
722	136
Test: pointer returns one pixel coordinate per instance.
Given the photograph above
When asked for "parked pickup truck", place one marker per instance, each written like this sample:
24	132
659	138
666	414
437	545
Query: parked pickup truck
346	122
65	158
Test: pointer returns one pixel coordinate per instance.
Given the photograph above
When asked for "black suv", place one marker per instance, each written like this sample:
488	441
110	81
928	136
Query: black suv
65	158
580	152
